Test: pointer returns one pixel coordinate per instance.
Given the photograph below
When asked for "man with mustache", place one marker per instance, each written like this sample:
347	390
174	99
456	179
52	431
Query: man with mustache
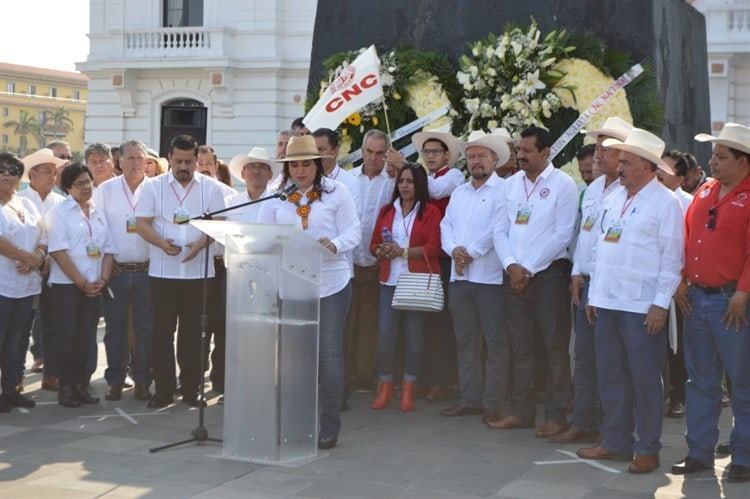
176	267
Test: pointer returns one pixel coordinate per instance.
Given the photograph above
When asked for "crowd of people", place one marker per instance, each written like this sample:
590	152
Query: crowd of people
650	262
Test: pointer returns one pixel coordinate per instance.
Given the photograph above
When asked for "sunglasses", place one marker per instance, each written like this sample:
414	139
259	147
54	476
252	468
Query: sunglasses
711	224
13	171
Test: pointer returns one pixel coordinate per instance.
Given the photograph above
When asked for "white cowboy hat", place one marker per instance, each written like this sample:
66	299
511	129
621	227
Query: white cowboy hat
495	142
301	149
643	144
732	135
256	155
613	127
502	132
418	139
41	157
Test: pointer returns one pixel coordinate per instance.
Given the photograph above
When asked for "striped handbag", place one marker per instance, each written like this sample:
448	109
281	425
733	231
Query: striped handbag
419	292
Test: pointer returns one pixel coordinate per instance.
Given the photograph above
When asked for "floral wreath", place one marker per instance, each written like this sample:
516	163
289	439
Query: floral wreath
303	210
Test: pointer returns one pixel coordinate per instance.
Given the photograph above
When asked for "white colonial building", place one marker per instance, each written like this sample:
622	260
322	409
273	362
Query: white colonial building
229	72
728	39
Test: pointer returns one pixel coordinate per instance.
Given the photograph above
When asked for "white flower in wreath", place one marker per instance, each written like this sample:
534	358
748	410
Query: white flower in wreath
475	51
491	71
387	79
472	105
492	124
474	71
489	52
463	78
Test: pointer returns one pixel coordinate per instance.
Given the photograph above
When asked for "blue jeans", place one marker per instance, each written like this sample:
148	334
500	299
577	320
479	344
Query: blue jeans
709	349
15	314
333	312
76	318
132	291
631	390
388	326
479	309
586	412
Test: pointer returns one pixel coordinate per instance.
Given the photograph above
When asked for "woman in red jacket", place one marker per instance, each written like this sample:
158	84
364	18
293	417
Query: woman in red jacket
411	229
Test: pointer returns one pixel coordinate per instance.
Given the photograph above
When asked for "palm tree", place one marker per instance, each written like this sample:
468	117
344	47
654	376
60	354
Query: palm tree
60	120
26	124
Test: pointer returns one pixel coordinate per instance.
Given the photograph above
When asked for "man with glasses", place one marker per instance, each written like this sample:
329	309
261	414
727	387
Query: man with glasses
713	295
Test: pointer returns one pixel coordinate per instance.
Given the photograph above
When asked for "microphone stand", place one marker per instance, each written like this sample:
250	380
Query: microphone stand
200	433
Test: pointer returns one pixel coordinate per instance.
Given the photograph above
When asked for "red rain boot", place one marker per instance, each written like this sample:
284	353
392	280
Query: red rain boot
383	397
407	396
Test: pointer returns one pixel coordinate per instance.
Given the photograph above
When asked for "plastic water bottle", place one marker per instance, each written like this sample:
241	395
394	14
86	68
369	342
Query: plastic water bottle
387	236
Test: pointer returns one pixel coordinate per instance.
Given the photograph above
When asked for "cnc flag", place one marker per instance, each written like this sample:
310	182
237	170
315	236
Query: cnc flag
358	85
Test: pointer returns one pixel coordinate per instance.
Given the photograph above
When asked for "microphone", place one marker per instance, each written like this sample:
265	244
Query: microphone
288	190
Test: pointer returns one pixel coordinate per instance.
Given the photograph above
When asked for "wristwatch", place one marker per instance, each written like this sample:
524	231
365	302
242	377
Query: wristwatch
405	253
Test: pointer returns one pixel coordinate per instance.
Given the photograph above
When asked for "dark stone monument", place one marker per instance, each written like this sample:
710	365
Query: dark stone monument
669	32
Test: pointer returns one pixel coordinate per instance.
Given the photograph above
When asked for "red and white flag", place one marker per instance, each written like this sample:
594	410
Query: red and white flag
356	86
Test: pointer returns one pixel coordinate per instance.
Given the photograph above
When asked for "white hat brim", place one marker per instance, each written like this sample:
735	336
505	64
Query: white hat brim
495	143
239	161
640	152
704	137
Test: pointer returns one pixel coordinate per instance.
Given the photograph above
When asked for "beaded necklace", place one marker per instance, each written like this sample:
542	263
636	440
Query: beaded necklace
303	210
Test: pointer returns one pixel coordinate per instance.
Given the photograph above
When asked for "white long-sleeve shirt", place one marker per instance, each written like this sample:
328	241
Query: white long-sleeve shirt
468	223
642	266
443	186
536	224
119	205
593	198
333	216
373	193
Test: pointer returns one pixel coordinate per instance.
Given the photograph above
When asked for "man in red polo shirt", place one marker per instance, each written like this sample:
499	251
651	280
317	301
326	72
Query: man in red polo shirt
713	296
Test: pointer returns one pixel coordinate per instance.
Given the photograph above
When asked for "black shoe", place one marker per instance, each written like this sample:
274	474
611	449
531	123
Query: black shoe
5	406
159	401
85	395
325	443
676	410
18	400
738	473
689	465
723	448
68	397
193	400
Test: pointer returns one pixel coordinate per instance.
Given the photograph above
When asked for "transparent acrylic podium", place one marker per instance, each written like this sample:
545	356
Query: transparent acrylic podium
271	379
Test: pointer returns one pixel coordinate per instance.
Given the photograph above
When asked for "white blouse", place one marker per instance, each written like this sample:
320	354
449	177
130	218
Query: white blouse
22	225
68	229
333	216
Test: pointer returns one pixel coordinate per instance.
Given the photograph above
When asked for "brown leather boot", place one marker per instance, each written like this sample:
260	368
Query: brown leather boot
644	463
50	383
383	397
407	396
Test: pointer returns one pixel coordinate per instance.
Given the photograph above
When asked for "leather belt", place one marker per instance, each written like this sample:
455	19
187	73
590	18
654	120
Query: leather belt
133	267
727	289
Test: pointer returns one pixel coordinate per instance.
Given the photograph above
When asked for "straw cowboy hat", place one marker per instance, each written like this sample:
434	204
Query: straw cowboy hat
301	149
613	127
418	139
643	144
502	132
256	155
495	142
732	135
41	157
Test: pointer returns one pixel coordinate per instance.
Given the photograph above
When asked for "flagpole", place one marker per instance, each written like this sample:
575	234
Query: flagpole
385	114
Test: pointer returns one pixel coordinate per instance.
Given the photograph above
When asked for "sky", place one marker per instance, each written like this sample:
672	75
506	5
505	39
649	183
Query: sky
57	39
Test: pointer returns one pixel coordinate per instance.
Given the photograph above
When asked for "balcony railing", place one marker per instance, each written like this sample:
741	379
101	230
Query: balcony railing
728	25
174	42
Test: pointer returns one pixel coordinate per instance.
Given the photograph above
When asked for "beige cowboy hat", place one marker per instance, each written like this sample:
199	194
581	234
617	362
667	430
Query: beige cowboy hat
643	144
495	142
301	149
613	127
40	157
418	139
256	155
732	135
502	132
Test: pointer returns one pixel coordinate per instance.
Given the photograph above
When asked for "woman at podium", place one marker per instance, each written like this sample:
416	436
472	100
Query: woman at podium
323	208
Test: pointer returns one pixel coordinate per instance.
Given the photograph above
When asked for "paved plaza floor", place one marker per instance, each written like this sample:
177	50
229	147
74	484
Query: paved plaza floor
103	451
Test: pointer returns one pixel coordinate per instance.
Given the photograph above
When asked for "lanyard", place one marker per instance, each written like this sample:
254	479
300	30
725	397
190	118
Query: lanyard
134	206
526	191
181	200
626	205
